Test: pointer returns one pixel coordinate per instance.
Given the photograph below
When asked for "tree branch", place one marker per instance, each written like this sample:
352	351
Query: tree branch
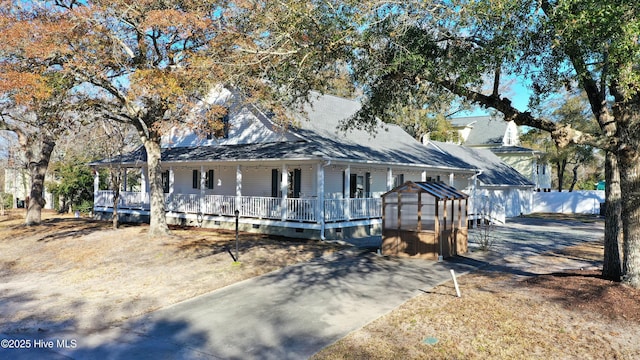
563	135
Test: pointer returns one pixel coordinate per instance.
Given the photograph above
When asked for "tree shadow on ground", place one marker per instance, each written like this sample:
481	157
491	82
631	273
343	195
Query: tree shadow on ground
62	228
42	335
205	243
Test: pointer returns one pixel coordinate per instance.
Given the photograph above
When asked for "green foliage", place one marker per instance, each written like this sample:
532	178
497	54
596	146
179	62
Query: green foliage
74	183
7	200
571	111
419	123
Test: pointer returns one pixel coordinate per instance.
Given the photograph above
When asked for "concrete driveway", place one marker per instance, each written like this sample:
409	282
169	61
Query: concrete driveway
295	312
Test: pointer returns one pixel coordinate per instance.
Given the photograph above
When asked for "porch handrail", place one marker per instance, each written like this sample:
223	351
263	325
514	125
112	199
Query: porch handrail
360	208
127	199
262	207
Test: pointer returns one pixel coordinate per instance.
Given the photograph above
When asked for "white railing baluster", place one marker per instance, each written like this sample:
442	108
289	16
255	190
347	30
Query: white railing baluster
261	207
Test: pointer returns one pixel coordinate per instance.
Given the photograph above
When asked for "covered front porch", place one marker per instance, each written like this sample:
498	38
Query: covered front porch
314	199
257	207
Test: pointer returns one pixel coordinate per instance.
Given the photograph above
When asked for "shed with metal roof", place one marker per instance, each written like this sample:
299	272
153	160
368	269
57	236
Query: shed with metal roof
424	220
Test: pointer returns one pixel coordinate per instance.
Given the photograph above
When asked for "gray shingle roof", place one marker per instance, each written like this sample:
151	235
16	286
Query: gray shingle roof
319	139
494	171
486	130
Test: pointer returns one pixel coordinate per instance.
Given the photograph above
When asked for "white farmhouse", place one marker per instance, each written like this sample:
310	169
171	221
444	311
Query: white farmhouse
307	180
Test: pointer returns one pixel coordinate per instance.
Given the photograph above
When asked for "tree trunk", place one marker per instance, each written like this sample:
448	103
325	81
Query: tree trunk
574	180
37	162
561	165
158	220
628	119
611	267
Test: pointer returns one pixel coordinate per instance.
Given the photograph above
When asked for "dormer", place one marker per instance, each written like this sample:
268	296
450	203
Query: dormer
511	135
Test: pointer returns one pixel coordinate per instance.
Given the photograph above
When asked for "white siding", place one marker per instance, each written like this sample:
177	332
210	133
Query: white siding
333	182
308	183
256	181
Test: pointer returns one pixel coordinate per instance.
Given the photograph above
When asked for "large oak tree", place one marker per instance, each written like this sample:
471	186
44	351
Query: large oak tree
35	96
461	46
149	63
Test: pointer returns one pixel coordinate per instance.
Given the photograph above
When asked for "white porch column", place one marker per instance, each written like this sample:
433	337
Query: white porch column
347	192
424	176
96	186
203	184
239	188
124	179
171	180
284	189
143	180
389	179
144	196
451	179
320	197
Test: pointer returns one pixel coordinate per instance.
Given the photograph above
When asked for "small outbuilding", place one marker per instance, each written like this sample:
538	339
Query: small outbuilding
425	220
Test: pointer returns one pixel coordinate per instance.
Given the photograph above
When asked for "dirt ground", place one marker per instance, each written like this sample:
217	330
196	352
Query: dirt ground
559	314
79	274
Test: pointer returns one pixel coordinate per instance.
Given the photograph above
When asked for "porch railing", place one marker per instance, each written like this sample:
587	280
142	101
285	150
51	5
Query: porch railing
366	208
128	199
296	209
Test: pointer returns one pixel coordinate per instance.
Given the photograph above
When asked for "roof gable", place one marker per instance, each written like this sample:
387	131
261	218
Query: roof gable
486	130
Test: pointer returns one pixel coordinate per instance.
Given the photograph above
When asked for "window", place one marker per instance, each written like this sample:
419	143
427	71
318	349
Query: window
398	180
222	132
294	180
356	184
165	181
225	125
209	179
295	183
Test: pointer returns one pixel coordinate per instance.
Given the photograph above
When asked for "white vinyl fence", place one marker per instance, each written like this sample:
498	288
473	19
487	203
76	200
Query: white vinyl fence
578	202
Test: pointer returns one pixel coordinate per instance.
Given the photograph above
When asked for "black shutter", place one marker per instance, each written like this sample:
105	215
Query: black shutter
210	179
196	179
367	184
353	186
297	182
274	183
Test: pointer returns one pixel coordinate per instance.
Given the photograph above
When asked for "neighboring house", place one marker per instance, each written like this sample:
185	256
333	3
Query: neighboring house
306	180
498	190
503	139
18	183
